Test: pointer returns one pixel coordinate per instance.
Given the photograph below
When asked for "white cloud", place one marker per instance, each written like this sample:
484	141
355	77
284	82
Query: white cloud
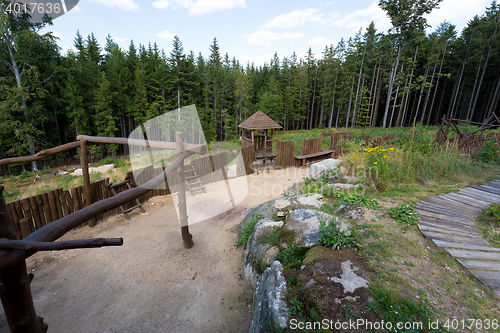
456	10
198	7
165	34
264	37
295	18
319	40
129	5
58	35
161	4
361	18
118	39
207	6
65	49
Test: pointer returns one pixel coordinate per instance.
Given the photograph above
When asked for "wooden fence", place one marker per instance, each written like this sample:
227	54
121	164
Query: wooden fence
244	167
30	214
285	154
311	146
335	138
471	143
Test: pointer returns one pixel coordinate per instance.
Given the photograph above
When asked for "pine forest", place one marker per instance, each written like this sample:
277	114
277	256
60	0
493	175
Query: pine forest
405	76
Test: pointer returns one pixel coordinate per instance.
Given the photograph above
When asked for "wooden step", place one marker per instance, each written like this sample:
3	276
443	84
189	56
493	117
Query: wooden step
131	208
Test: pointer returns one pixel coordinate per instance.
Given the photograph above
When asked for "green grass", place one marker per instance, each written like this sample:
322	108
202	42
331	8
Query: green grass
247	229
273	238
489	224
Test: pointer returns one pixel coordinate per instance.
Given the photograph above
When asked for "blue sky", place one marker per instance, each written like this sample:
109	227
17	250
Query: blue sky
250	30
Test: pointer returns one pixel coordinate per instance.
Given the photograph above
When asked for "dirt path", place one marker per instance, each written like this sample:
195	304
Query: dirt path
151	283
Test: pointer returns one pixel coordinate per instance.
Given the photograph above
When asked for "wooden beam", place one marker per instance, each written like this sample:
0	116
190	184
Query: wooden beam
8	244
187	238
40	155
86	178
56	229
197	149
15	291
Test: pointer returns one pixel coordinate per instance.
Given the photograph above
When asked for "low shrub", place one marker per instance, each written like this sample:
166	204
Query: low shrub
490	152
405	213
494	212
331	235
247	229
292	256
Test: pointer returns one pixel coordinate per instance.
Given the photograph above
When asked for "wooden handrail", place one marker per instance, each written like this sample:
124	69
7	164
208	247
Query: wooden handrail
197	149
56	229
40	155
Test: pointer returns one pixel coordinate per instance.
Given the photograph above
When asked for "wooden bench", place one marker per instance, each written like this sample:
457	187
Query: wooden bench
318	154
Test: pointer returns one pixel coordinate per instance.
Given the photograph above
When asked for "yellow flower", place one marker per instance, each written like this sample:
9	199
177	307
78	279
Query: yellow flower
375	162
385	156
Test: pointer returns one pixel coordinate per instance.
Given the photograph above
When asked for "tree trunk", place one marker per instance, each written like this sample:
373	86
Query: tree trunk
389	91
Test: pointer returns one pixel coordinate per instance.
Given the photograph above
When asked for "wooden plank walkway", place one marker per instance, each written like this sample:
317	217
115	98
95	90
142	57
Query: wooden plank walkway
448	219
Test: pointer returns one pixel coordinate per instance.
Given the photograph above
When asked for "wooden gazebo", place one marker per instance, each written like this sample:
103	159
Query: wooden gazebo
263	144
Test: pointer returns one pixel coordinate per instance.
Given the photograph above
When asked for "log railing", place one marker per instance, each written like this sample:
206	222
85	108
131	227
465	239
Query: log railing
15	291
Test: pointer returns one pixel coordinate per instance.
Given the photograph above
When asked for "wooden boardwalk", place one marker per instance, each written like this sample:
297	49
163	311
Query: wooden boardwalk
447	219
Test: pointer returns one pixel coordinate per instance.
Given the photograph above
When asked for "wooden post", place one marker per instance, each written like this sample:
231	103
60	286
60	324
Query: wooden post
86	178
187	238
15	291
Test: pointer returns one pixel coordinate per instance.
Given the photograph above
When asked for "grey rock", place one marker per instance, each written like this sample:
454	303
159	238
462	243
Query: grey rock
354	212
62	173
309	200
350	179
350	280
304	223
265	209
256	253
292	190
269	303
318	169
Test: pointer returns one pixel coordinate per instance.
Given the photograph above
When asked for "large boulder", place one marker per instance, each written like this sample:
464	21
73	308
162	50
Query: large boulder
258	254
101	169
304	225
269	305
264	209
309	200
316	170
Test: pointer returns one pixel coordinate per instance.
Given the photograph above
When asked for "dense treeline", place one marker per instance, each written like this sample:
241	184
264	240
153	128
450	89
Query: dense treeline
372	79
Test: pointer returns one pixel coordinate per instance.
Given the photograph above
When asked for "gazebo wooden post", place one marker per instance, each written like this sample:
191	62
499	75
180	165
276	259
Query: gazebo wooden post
265	145
253	138
86	178
15	290
187	238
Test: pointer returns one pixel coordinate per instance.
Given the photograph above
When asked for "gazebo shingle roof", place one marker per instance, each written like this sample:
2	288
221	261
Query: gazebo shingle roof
258	121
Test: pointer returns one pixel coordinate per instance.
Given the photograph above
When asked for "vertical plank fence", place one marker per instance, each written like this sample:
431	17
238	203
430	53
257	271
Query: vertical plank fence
285	154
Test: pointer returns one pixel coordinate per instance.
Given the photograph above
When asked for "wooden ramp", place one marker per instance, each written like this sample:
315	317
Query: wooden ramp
447	219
